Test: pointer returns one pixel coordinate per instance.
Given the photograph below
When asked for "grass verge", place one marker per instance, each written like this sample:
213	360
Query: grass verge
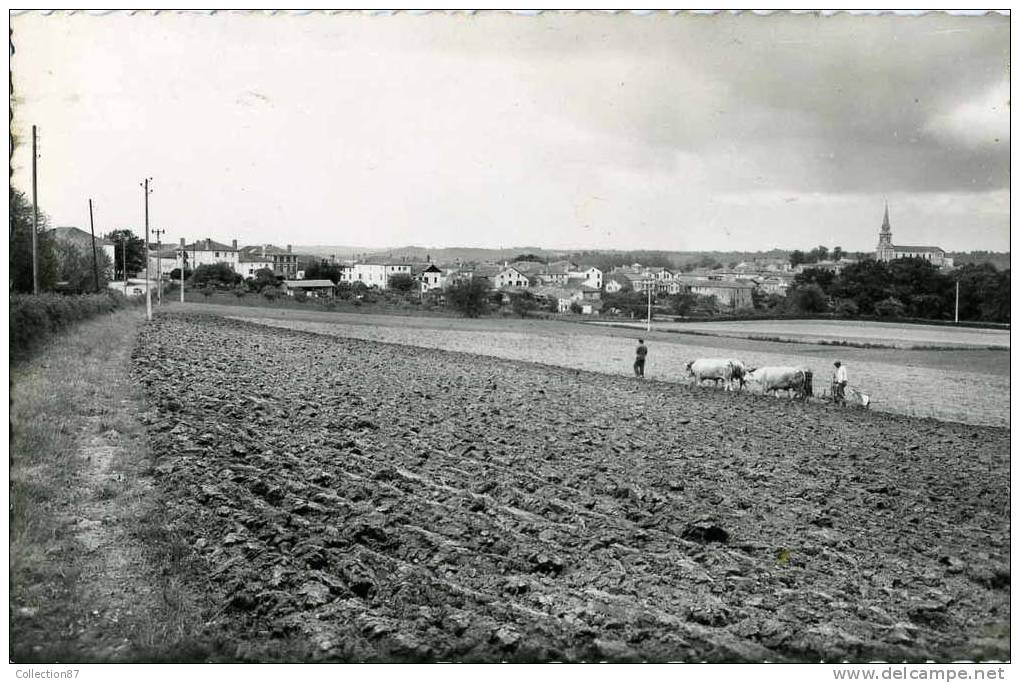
93	575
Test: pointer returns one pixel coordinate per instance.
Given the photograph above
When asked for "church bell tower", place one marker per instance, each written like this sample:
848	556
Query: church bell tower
885	251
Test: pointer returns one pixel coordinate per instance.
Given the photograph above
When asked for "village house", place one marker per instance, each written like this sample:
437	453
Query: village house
431	278
378	274
735	295
208	253
510	277
285	261
591	276
249	263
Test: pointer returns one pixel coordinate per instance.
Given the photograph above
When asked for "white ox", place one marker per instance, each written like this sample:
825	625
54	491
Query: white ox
717	369
773	379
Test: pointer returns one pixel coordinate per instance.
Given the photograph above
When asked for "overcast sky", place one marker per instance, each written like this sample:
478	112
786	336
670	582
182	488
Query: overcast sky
685	132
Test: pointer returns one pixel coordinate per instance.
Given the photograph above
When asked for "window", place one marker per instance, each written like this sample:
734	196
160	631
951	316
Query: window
217	254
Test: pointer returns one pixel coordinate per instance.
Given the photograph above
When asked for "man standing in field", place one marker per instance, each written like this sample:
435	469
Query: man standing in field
839	382
639	361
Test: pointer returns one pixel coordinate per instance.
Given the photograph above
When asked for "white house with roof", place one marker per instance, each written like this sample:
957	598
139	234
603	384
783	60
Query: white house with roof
208	252
378	274
431	278
510	277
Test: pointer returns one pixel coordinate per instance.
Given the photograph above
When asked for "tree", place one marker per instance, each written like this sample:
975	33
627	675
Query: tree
890	307
630	304
175	274
837	253
797	257
575	307
819	276
846	308
522	303
809	298
135	252
20	243
215	274
528	257
470	297
264	277
323	270
401	282
74	268
682	304
819	253
759	298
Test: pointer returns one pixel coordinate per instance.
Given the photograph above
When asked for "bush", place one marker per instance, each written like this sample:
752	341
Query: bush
846	308
470	297
35	319
300	296
575	307
523	303
809	298
402	282
215	273
890	307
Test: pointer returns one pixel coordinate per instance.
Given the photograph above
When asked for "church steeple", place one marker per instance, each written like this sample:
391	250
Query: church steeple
885	251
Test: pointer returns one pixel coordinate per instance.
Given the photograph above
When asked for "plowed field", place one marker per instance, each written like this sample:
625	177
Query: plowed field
360	501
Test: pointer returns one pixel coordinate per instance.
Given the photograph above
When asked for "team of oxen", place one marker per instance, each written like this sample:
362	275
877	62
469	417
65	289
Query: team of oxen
797	382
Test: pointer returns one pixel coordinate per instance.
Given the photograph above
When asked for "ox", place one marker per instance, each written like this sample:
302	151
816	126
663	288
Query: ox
716	369
797	381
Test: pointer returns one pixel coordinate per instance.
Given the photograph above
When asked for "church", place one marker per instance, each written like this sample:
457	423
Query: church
887	251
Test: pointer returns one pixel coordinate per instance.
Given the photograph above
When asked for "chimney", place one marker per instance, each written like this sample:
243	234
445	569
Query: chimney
263	251
208	244
182	243
288	248
234	244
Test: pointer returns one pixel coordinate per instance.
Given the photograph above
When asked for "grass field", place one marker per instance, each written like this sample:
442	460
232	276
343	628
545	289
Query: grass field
895	335
965	385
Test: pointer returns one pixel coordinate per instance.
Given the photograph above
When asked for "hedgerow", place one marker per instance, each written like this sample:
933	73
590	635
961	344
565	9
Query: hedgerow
34	319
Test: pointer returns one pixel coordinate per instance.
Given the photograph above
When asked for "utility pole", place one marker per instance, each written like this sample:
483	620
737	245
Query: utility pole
159	266
123	263
95	262
184	256
956	317
35	220
148	293
648	326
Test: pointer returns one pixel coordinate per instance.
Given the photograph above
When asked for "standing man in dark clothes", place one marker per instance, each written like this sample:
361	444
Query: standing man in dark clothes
639	361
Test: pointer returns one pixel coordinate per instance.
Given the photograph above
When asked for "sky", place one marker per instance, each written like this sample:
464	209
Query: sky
557	130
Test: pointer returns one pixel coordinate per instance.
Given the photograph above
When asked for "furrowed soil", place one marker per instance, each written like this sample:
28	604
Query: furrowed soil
352	500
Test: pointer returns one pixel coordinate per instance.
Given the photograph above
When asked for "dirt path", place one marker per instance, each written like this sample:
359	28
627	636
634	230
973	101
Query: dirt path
85	584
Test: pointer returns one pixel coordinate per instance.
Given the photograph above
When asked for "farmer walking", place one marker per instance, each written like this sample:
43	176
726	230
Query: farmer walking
839	382
639	360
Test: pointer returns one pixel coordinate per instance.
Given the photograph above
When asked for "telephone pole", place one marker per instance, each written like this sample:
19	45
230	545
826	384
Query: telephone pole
648	326
92	229
184	260
956	316
35	220
159	266
148	292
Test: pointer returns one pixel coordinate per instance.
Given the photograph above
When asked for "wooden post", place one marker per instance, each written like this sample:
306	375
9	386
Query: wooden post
95	262
956	317
35	220
148	293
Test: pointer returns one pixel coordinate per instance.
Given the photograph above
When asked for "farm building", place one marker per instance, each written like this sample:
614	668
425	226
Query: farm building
317	288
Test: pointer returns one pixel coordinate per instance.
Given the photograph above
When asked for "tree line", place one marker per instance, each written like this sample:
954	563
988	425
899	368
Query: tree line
911	288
